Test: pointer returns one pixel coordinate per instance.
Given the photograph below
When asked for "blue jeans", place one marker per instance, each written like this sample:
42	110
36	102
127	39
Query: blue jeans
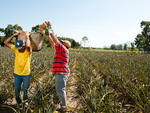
21	82
60	83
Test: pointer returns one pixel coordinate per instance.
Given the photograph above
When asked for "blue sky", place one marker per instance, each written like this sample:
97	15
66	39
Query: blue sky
104	22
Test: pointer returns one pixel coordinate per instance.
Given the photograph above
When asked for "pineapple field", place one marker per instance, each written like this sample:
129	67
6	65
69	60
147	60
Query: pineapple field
100	82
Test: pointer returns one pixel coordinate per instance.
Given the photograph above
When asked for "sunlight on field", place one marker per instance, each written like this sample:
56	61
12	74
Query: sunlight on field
114	51
106	81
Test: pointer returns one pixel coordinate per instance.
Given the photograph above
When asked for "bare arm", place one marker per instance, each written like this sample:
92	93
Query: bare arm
51	33
51	41
7	41
28	43
54	38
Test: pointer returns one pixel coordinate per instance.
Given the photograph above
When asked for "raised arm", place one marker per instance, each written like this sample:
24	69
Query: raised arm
50	32
7	41
51	41
54	38
28	43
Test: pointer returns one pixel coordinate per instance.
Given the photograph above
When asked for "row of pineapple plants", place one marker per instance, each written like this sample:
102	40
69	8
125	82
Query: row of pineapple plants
113	82
106	82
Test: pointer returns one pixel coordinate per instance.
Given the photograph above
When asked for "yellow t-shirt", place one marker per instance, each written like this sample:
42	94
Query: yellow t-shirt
22	62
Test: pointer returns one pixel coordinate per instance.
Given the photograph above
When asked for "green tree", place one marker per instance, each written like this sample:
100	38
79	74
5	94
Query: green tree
74	44
116	47
17	27
113	47
125	47
142	41
10	29
119	47
84	40
2	30
36	29
2	37
132	46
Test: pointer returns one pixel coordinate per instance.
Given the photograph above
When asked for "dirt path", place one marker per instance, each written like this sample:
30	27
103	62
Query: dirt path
72	98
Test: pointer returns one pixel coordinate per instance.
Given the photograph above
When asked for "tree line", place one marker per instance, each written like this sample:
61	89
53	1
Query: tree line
123	46
11	29
141	42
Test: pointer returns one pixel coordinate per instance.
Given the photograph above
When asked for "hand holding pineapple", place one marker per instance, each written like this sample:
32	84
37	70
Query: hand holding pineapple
46	28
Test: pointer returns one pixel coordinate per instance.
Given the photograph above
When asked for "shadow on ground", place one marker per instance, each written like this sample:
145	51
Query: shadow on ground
10	109
7	109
